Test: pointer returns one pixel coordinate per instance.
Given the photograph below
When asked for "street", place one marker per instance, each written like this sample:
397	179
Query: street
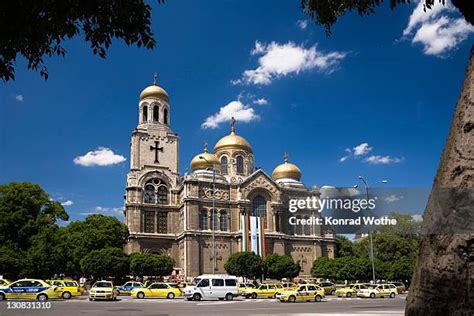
128	306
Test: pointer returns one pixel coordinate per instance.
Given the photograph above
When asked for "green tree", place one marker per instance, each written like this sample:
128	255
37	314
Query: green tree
324	267
37	29
24	209
144	264
45	257
96	232
387	247
279	267
406	226
11	261
344	247
244	264
107	262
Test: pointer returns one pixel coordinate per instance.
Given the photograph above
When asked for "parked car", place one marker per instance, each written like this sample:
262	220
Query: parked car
29	289
304	293
401	288
4	282
67	288
244	286
212	286
329	287
126	288
157	290
350	290
378	290
103	290
263	291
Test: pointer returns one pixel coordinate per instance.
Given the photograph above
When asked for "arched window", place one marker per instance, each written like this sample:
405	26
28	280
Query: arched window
224	164
165	116
162	195
306	228
145	114
155	191
240	164
224	221
155	113
203	220
149	194
250	166
214	218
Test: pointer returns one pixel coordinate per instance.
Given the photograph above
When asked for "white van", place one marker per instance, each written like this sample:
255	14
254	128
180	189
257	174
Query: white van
212	286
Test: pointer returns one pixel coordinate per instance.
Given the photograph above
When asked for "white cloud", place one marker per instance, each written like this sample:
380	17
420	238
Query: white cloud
261	101
67	203
278	60
382	160
417	217
110	211
361	149
19	97
236	109
102	156
302	24
392	198
436	29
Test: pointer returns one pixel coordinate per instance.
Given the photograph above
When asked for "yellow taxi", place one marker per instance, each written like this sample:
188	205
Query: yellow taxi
157	290
304	293
67	288
244	286
263	291
378	290
401	288
350	290
103	290
4	282
28	289
329	287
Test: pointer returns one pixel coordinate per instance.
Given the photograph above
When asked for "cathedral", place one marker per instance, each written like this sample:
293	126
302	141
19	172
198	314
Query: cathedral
225	205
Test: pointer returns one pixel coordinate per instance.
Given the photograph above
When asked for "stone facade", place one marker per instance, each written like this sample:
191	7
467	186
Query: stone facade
172	214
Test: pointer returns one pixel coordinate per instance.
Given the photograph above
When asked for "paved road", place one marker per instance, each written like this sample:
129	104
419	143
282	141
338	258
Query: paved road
160	307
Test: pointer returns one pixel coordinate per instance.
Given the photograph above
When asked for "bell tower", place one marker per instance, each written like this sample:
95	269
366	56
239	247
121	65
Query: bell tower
154	151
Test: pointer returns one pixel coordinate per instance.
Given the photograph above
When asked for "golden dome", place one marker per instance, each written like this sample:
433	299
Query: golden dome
207	161
286	170
154	91
233	141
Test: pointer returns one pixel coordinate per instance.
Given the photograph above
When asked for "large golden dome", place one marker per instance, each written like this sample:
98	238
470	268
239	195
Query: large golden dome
233	141
286	170
154	91
205	160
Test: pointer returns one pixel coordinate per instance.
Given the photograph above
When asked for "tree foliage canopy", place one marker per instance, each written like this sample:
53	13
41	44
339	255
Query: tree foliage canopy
107	262
279	267
244	264
145	264
326	12
37	29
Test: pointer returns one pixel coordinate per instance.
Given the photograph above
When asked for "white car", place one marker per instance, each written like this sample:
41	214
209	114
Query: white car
212	286
378	290
103	290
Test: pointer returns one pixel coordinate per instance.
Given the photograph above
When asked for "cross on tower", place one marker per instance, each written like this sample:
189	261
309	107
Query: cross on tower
155	76
232	124
156	149
285	157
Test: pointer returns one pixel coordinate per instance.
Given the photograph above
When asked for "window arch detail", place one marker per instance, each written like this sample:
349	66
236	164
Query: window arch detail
224	221
224	164
155	113
165	116
145	114
240	164
155	192
203	223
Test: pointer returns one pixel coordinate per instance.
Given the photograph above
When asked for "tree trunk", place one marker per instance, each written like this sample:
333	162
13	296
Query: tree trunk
443	282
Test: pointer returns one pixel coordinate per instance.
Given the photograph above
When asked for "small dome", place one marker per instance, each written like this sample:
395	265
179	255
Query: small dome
155	92
205	160
286	170
233	141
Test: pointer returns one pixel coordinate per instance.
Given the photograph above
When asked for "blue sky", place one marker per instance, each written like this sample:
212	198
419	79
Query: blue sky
371	93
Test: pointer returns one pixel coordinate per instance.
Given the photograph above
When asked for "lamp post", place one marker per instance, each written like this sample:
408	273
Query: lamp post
361	178
213	218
